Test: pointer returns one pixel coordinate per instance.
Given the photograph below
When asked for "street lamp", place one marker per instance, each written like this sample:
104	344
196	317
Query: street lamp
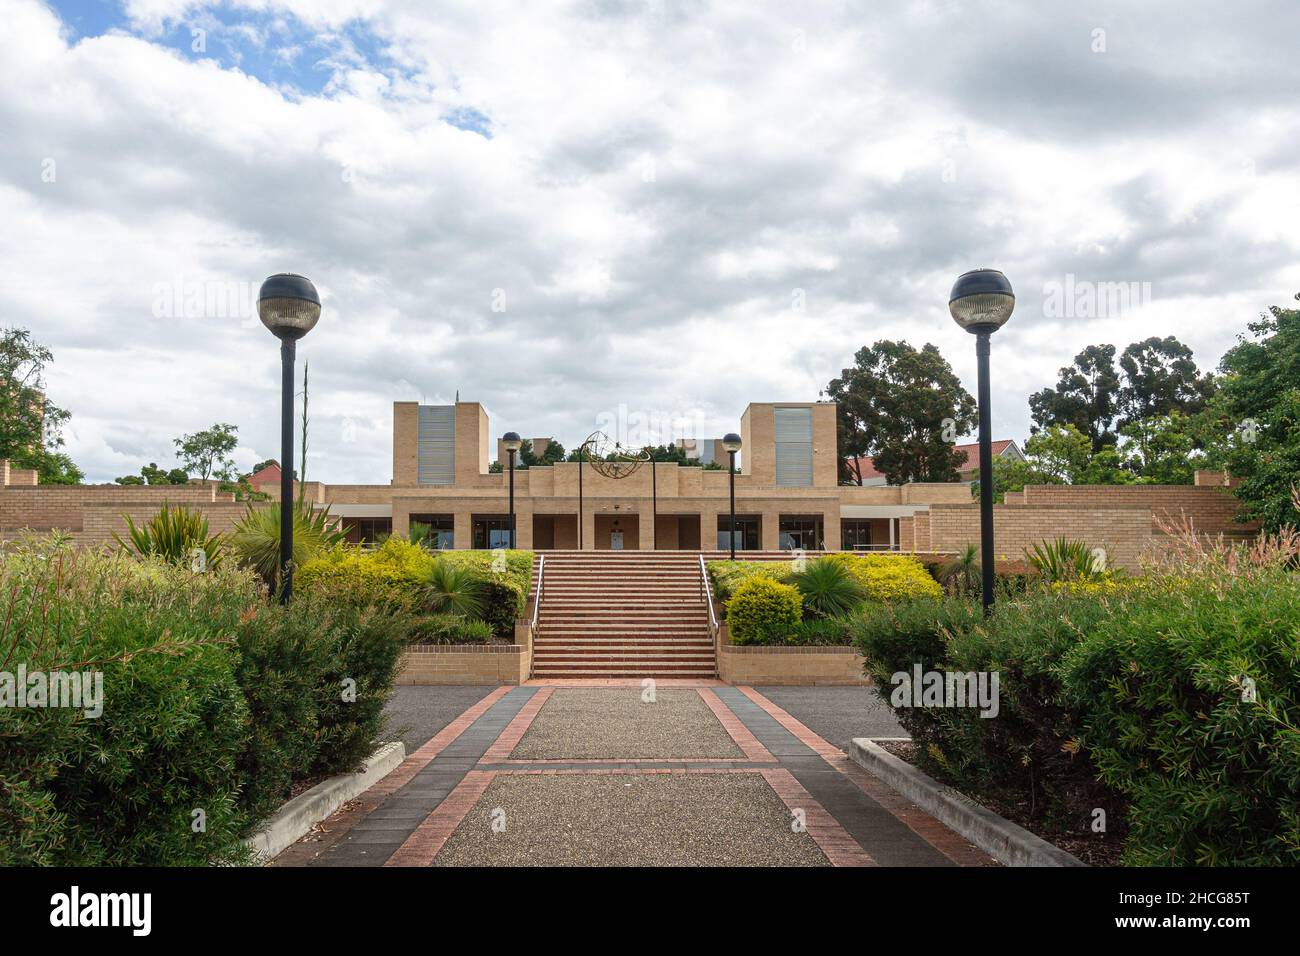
981	302
511	442
289	306
731	445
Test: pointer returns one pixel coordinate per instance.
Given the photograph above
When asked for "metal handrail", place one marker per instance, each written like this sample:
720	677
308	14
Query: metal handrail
537	601
708	595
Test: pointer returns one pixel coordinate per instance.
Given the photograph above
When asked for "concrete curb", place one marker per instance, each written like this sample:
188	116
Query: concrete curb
295	819
1000	838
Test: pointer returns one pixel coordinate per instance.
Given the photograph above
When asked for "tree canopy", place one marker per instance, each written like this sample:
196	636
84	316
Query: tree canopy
903	407
31	426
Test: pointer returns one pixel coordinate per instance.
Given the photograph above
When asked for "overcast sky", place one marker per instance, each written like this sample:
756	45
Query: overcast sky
564	209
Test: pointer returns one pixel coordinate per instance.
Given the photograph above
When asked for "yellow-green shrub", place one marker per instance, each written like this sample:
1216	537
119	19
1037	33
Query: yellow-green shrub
890	577
729	575
762	610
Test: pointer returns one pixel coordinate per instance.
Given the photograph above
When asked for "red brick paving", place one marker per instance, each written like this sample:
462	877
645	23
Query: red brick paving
423	845
840	848
952	845
505	745
745	740
331	830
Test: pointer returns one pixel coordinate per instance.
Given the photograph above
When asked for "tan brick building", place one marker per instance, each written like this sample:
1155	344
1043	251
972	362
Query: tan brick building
787	496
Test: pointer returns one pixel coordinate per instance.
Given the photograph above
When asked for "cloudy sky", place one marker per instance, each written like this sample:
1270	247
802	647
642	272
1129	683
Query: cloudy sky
566	209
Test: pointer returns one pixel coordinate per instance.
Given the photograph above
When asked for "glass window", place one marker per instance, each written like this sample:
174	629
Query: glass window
438	530
748	532
855	534
801	533
491	532
366	530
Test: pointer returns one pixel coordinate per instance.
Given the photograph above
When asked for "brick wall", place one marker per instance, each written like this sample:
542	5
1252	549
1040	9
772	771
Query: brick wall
1125	533
43	507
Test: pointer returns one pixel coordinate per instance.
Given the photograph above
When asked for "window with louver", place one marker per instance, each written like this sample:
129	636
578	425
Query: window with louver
794	447
436	445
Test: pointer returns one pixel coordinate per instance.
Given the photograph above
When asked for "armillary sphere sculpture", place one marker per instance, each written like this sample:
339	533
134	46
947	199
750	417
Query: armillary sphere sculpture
610	459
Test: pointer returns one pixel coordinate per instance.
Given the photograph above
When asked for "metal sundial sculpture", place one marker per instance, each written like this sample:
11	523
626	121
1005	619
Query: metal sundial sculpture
610	459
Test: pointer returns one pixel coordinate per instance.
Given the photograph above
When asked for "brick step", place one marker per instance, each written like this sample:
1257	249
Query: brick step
629	670
620	640
626	653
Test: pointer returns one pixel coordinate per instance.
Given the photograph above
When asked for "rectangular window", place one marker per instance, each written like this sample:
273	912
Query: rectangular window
794	448
366	530
748	532
435	450
438	533
801	533
491	532
855	534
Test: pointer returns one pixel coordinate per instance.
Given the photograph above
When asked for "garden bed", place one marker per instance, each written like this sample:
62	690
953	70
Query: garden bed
1094	849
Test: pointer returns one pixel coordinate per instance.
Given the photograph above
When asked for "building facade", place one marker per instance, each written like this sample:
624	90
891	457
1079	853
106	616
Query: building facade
787	497
787	491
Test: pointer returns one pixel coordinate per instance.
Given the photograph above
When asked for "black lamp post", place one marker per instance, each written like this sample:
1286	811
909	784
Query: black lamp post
289	306
511	442
981	302
731	445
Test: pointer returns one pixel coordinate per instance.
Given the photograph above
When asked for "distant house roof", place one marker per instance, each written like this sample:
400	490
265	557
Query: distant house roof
969	453
270	475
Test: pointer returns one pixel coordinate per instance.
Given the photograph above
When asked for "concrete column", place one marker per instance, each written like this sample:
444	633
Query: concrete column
892	537
589	528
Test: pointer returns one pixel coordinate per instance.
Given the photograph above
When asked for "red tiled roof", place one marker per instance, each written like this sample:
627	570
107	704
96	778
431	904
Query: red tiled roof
969	453
267	476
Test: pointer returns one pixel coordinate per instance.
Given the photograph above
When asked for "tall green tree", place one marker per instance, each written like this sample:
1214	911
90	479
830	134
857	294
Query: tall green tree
207	454
1160	377
903	407
1085	397
31	426
1261	395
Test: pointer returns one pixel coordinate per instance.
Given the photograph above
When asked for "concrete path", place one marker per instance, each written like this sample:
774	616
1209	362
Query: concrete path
614	773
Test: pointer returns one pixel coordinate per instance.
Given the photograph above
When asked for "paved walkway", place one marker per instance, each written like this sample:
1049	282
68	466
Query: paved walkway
612	773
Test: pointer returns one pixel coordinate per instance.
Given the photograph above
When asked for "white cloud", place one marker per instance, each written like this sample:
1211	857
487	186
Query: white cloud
659	180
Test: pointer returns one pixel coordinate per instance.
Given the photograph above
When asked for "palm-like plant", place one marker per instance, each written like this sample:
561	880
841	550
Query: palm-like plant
829	589
454	589
1063	560
256	538
174	534
961	575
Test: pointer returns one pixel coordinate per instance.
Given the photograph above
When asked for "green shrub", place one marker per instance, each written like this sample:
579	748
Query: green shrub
1029	753
213	702
726	576
828	588
763	611
456	589
889	577
122	788
1214	777
451	629
256	538
828	631
1063	559
505	590
174	535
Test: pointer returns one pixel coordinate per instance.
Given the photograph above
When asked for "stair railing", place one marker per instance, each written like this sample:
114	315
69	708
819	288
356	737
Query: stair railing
706	593
537	601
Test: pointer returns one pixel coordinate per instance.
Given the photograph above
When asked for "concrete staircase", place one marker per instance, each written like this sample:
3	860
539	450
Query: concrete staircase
622	614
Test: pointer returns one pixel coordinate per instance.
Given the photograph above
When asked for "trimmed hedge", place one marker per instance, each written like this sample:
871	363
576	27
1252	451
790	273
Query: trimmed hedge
1128	698
213	706
763	611
395	574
